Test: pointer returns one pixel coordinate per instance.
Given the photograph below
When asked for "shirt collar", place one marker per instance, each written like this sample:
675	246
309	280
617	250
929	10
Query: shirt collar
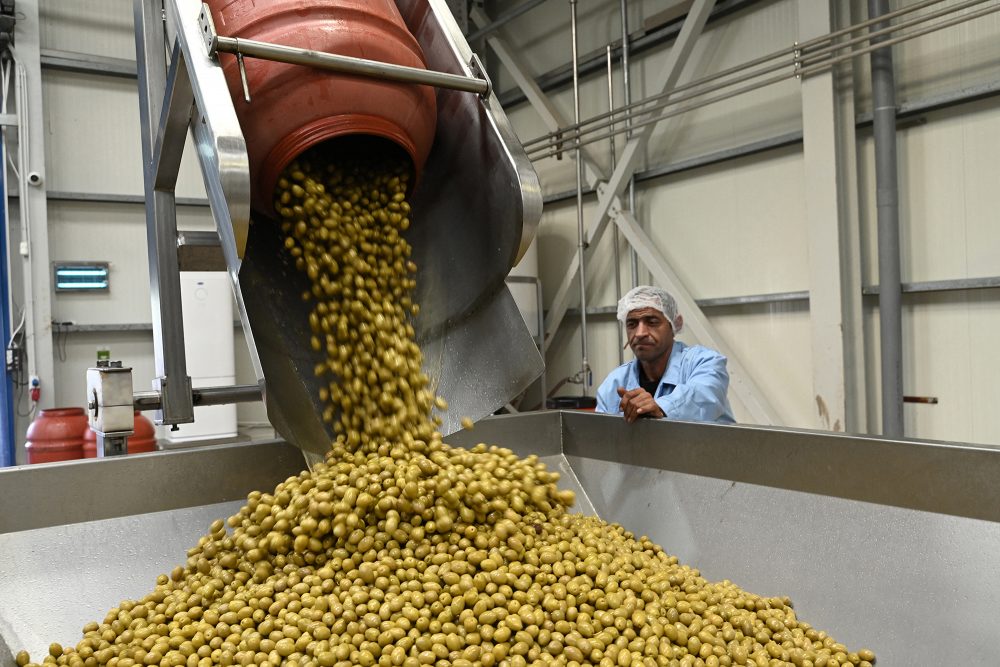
672	375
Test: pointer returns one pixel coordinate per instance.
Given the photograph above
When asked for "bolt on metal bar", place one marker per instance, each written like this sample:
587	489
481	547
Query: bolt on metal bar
549	151
796	50
348	64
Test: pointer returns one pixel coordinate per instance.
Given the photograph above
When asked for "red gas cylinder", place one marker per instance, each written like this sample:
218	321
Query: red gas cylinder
56	435
294	107
143	440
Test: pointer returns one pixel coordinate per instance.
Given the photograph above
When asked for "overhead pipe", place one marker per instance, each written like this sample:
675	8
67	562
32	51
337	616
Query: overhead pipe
801	53
633	256
887	201
807	68
580	231
616	233
806	58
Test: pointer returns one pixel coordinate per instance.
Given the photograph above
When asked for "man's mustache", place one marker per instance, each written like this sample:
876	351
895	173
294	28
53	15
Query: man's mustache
632	341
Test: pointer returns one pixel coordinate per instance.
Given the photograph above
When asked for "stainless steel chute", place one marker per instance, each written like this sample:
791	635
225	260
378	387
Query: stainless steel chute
882	543
475	210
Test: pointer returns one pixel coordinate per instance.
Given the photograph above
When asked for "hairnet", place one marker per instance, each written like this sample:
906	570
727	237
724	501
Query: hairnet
648	296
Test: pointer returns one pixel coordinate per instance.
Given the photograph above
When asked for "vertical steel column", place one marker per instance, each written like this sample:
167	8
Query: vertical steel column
36	268
830	177
627	88
887	199
171	380
7	386
616	245
581	233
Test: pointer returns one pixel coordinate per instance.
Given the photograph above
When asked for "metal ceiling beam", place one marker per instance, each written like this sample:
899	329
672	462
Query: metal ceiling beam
540	102
741	383
646	39
629	160
830	179
87	63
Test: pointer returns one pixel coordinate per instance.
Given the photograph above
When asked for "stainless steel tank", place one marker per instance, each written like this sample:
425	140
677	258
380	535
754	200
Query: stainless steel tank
887	544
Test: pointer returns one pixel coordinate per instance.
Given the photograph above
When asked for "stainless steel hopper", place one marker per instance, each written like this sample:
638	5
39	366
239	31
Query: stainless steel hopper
881	543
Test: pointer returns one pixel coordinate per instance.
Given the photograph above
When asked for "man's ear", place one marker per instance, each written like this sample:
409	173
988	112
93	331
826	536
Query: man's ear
680	322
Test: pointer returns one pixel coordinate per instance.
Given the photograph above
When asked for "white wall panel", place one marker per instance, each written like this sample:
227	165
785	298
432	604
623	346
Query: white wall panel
96	27
948	195
733	229
962	56
93	142
773	343
114	233
948	343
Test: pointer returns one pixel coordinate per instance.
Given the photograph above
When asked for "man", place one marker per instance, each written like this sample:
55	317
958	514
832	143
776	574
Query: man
667	379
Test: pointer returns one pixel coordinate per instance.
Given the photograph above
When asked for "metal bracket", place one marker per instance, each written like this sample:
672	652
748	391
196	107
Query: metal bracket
480	71
208	32
109	404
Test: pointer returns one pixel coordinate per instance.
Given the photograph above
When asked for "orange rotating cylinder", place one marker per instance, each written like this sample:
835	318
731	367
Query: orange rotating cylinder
294	107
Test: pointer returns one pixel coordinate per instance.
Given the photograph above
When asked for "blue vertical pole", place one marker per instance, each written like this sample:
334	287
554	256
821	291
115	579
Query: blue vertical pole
6	386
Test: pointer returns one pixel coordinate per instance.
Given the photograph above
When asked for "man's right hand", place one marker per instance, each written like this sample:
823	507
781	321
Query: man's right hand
637	403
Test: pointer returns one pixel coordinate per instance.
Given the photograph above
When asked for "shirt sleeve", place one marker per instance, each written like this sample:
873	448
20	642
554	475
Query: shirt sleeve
702	396
608	400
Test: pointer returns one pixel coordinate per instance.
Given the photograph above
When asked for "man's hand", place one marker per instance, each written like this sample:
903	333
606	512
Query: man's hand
638	403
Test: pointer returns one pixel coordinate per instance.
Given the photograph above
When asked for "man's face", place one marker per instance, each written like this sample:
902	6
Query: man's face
650	334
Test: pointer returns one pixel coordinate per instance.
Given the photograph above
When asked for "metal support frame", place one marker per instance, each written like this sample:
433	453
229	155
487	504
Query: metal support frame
540	338
163	126
7	389
833	238
551	117
629	160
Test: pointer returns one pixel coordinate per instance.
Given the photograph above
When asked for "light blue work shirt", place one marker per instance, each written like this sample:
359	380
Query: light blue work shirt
693	387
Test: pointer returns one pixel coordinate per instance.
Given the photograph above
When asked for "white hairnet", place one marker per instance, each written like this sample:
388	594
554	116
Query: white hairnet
648	296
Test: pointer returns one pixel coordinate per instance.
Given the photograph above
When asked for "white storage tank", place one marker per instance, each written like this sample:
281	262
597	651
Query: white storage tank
207	304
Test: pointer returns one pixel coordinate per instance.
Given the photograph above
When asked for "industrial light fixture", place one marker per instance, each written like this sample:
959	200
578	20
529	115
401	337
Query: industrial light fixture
81	276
